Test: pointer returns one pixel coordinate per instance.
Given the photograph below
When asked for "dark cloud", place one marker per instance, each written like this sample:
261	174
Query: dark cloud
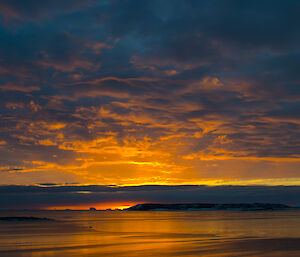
51	195
34	10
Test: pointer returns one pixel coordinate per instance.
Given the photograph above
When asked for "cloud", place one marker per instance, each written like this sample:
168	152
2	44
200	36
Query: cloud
8	87
128	92
33	10
50	195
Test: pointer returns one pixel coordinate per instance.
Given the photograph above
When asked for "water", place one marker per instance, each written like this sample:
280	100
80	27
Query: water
149	234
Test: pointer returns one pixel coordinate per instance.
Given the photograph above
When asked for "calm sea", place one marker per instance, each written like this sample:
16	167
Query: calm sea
191	233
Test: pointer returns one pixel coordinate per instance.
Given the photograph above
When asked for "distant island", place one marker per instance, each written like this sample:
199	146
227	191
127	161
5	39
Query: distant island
207	206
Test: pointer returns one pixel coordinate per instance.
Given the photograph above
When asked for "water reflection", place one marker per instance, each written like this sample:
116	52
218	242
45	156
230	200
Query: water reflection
153	234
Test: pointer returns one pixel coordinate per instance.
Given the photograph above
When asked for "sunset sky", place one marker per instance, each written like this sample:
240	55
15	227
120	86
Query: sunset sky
131	93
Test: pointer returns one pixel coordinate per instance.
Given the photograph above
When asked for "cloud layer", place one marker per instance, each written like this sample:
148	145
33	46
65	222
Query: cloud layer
82	197
149	92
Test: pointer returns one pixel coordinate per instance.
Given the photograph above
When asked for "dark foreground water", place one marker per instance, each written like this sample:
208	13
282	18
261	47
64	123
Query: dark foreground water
161	234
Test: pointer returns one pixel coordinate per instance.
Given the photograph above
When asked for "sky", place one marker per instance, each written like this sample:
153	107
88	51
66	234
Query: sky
132	93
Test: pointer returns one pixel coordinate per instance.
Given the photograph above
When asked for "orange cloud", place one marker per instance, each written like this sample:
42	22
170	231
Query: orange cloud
21	88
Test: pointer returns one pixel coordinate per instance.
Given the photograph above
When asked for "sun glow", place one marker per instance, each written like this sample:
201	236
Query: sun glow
103	206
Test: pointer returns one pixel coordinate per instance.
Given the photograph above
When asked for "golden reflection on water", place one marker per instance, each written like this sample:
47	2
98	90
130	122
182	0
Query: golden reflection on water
130	234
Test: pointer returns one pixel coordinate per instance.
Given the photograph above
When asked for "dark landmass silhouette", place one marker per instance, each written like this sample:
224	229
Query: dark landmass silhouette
208	206
24	219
